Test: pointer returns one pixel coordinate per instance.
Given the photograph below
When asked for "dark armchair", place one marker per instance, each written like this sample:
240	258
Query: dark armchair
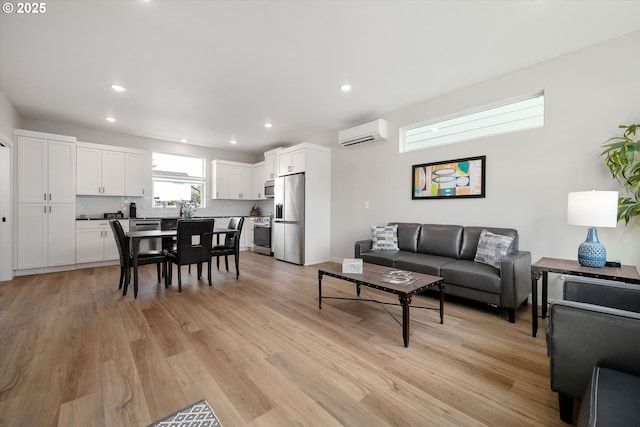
597	325
193	246
231	245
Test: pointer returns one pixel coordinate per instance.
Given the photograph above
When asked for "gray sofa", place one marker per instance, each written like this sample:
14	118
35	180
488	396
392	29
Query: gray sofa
448	251
593	341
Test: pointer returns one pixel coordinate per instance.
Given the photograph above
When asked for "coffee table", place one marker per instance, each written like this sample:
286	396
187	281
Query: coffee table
370	278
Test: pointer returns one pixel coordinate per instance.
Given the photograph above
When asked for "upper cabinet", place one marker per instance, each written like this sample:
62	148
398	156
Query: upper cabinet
231	180
135	174
270	164
46	170
257	181
291	160
105	170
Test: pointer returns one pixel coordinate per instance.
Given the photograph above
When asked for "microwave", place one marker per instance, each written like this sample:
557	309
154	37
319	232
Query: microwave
269	187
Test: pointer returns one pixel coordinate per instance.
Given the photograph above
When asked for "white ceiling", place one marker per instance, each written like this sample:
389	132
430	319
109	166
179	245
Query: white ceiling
212	71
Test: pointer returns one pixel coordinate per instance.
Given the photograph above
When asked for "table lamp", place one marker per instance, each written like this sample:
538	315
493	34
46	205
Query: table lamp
592	209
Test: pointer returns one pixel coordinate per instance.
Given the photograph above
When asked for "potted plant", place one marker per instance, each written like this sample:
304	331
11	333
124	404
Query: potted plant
622	158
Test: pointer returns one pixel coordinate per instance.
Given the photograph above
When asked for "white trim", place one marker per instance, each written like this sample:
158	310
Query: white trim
44	135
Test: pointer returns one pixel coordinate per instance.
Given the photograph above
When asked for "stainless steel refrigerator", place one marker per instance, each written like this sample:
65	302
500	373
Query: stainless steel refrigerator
288	222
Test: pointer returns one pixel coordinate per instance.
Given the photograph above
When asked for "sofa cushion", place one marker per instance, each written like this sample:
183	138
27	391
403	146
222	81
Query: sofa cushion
384	238
442	240
492	248
471	274
611	399
408	234
471	235
421	263
385	258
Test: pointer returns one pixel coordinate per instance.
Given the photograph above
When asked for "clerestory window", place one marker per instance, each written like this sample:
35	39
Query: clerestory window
507	117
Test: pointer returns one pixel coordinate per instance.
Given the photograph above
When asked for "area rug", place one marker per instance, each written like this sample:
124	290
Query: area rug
198	414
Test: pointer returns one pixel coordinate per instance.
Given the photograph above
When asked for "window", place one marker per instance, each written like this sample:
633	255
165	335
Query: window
508	117
177	178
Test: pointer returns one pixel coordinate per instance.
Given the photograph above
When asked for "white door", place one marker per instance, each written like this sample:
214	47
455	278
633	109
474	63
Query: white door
221	184
298	161
6	234
32	170
257	182
270	167
112	173
89	245
61	244
32	232
89	171
134	174
284	164
61	172
110	245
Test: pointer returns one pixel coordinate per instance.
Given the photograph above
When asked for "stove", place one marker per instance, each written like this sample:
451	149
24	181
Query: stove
262	235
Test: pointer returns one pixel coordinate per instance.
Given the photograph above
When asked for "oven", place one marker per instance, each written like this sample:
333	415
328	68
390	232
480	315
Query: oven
262	236
141	224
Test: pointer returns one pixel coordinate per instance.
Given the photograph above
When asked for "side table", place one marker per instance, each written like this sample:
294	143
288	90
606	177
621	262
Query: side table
625	273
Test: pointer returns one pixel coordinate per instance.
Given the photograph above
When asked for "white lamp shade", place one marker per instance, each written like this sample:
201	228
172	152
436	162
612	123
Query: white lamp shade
593	208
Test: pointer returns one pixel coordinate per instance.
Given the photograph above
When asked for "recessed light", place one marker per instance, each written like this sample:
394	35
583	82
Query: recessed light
185	140
345	87
434	129
110	119
233	141
118	88
268	125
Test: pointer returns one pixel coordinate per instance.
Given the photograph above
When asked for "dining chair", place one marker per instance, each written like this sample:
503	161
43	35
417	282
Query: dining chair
126	257
193	246
231	245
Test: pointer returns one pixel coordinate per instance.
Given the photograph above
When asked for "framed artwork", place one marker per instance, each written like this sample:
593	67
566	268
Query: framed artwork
449	179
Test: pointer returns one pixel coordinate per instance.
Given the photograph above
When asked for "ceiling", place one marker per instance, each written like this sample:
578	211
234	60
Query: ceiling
213	71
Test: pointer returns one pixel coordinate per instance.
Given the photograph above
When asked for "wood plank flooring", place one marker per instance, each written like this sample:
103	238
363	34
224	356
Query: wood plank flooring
74	352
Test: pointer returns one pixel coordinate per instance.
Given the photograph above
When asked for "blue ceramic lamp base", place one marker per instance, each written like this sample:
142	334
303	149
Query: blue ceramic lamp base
592	253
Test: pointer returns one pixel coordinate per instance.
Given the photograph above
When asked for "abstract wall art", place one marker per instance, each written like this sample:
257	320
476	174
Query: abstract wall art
449	179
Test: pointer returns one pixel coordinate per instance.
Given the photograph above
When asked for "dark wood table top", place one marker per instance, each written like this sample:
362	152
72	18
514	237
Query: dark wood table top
624	273
370	277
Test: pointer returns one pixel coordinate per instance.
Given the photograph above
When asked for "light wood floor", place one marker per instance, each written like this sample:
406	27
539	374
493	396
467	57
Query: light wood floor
74	352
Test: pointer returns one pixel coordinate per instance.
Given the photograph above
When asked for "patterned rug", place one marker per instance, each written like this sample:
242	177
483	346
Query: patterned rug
198	414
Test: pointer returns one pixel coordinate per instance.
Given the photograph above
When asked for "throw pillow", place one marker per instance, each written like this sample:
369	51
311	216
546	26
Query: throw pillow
384	238
491	248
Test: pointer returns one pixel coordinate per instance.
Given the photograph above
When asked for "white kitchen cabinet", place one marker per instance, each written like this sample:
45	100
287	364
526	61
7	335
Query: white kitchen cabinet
240	182
95	241
46	182
135	174
230	180
99	172
257	181
46	235
270	164
46	170
291	161
247	230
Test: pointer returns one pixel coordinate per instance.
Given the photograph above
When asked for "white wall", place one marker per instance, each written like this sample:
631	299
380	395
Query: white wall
588	93
9	119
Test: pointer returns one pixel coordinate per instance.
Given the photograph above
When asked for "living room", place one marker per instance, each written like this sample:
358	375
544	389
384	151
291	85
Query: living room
589	92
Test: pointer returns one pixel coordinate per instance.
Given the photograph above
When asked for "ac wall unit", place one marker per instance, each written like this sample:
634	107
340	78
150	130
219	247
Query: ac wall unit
364	134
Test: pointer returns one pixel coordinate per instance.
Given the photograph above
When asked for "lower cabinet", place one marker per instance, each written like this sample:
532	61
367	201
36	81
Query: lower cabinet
95	241
46	235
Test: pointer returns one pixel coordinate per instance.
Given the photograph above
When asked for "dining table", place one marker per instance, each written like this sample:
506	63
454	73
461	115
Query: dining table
137	236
